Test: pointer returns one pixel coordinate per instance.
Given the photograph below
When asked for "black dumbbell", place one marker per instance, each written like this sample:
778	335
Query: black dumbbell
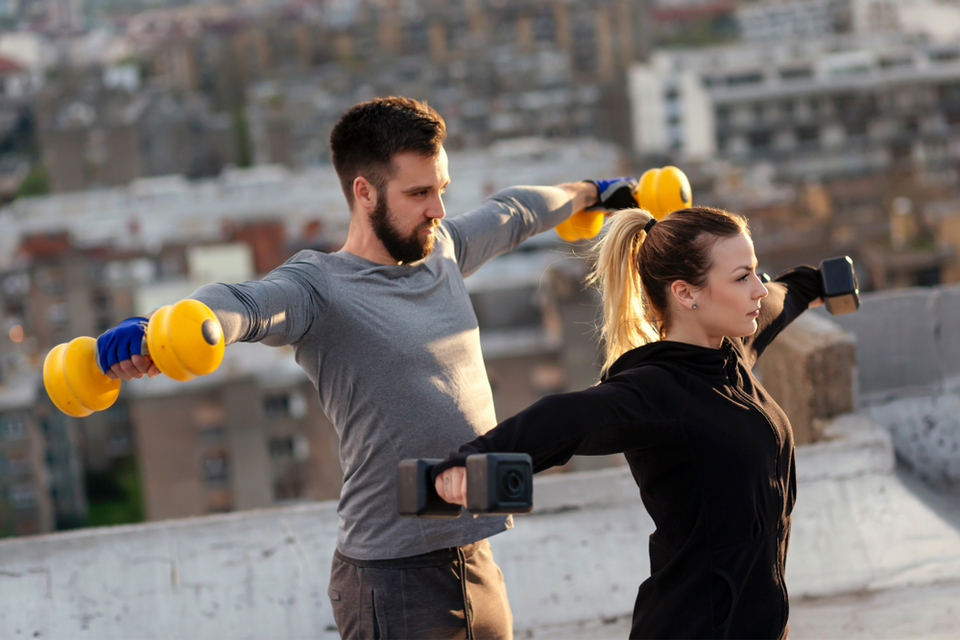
840	290
496	483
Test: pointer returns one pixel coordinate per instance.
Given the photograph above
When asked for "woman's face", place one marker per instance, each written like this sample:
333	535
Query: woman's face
729	303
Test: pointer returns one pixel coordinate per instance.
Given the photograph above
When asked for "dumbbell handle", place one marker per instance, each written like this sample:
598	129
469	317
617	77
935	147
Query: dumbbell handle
497	483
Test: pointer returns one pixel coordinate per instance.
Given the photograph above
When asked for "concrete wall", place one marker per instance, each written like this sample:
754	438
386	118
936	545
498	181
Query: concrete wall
908	350
908	342
810	370
575	562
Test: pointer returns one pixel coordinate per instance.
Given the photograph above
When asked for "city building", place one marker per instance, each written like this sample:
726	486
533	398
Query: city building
790	20
251	434
108	137
843	105
41	470
494	70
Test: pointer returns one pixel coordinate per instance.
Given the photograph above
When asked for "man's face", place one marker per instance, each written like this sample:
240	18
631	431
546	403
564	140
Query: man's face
410	207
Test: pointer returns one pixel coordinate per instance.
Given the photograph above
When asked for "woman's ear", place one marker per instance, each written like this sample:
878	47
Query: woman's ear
683	294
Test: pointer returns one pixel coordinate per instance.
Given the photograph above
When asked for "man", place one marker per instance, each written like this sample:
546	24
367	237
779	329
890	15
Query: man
385	330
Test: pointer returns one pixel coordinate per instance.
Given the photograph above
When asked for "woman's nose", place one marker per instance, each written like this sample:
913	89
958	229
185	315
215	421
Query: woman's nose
761	290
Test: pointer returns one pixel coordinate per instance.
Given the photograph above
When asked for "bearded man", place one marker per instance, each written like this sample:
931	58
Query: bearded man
385	330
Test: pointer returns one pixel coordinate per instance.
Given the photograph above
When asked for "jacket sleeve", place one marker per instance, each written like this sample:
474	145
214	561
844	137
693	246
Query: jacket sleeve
615	416
503	221
789	296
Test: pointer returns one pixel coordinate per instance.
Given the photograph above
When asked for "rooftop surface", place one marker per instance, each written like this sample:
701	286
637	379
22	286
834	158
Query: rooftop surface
874	553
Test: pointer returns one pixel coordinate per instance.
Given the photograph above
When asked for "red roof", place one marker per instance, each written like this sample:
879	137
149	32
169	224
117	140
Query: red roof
8	65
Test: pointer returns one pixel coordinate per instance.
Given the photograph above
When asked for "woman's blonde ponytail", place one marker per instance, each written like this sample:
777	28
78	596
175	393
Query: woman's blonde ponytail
627	321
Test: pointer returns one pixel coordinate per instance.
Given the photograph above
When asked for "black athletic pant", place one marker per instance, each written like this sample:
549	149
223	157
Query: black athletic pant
448	593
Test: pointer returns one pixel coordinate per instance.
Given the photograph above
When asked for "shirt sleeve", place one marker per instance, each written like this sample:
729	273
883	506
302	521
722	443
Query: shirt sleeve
616	416
277	310
789	296
505	220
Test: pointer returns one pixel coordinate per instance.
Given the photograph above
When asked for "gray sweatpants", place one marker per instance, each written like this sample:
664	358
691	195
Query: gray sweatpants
448	593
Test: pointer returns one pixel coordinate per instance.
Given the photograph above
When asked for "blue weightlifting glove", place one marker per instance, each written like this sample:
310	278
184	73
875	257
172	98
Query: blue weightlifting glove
129	338
616	193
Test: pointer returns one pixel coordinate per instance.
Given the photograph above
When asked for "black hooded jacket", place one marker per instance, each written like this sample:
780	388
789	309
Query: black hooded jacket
713	456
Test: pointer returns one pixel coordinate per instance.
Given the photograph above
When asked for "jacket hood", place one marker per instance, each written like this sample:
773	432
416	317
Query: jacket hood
689	357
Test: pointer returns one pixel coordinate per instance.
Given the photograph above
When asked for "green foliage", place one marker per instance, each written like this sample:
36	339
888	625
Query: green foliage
35	184
705	32
114	498
242	131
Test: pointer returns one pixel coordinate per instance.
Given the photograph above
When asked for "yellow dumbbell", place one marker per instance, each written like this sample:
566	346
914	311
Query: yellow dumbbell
581	225
184	340
663	191
659	191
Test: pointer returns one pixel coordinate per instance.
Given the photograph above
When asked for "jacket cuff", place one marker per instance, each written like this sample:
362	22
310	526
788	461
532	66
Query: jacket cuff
455	460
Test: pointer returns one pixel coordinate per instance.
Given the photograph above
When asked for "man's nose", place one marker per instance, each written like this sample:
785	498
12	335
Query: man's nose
436	210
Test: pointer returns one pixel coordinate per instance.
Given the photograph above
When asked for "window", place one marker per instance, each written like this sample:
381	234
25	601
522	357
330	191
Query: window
13	426
945	55
739	79
215	466
808	135
896	61
22	495
276	405
761	140
796	73
211	435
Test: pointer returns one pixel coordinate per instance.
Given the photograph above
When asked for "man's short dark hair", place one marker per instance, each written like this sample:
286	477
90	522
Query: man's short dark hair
368	136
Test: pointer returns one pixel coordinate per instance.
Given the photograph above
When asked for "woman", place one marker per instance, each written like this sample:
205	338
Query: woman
685	318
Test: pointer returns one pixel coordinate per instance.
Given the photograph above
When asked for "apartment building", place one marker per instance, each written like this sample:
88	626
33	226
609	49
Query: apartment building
841	105
493	69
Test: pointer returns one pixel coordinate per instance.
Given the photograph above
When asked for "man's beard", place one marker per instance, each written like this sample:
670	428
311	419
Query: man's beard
403	249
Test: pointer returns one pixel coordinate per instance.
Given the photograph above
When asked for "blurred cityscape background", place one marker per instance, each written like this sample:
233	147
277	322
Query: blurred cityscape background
150	146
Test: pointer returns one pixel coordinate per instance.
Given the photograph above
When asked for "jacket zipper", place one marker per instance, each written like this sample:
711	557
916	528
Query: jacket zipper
780	561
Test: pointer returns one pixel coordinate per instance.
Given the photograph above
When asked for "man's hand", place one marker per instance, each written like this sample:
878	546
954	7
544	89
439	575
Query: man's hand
615	194
451	485
121	351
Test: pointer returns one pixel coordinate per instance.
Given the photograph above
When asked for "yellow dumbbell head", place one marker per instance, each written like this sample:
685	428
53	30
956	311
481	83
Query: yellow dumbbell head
567	231
673	190
646	194
185	340
73	381
663	191
581	225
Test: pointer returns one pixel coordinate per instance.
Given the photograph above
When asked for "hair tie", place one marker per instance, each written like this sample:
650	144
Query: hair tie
652	221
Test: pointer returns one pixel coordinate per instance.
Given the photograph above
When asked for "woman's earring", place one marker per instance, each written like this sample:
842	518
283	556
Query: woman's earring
694	306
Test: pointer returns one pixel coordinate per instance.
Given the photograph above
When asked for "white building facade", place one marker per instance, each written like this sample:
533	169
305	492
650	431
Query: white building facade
847	104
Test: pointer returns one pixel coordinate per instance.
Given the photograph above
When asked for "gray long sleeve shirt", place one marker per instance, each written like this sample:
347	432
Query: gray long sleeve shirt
394	352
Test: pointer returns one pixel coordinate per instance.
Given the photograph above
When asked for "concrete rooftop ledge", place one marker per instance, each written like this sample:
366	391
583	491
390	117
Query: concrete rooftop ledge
572	566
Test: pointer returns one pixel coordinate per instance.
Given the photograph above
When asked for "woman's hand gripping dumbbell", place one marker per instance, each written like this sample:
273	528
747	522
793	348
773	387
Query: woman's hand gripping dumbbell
488	483
659	191
182	341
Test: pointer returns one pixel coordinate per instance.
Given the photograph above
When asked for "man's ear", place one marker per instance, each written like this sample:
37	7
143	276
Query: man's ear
683	293
364	194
